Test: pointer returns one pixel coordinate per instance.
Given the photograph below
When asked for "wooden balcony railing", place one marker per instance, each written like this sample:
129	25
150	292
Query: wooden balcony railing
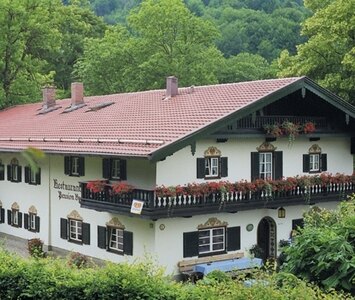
187	205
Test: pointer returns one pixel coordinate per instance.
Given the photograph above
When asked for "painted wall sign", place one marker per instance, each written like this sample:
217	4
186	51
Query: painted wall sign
67	191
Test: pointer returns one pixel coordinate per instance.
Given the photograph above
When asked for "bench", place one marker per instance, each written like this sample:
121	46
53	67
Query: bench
186	267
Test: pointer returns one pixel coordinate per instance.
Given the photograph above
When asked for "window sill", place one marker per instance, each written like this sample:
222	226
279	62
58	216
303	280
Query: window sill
115	251
75	242
212	253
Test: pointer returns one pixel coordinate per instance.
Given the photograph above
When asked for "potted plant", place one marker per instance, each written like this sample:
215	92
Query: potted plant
122	188
96	186
291	129
309	127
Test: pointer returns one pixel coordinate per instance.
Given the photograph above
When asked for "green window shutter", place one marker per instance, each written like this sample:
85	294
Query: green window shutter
38	176
25	221
37	223
254	165
27	174
278	164
2	172
190	244
200	167
127	242
9	173
19	174
67	164
233	238
106	168
19	219
101	237
224	166
64	228
2	215
81	162
305	163
323	162
9	217
86	233
123	169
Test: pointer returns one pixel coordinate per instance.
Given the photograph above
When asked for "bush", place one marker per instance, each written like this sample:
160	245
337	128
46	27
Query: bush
324	250
35	248
78	260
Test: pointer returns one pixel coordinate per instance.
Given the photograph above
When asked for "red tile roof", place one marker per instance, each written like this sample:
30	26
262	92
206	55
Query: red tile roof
137	124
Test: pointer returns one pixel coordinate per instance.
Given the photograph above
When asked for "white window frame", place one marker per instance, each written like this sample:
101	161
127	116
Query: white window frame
74	165
32	221
210	240
75	230
263	165
15	217
14	170
212	167
314	162
115	239
116	169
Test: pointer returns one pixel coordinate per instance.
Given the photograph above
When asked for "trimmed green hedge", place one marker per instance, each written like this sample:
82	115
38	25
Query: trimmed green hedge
53	279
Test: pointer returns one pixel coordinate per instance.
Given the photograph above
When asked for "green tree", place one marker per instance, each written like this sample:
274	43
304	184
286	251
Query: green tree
324	251
26	37
329	54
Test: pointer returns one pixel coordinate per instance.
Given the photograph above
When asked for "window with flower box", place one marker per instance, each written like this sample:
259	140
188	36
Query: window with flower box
315	161
114	168
14	171
74	166
32	176
115	238
212	165
212	238
74	229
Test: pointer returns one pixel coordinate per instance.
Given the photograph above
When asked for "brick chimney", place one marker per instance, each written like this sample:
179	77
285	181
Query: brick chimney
48	97
77	93
171	86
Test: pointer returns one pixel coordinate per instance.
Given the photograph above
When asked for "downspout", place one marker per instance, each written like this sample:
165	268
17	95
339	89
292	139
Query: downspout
49	206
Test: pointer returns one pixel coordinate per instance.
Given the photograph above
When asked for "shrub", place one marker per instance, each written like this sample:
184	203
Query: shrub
35	248
78	260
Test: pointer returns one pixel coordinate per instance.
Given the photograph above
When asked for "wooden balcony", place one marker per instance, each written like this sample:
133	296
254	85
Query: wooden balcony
188	205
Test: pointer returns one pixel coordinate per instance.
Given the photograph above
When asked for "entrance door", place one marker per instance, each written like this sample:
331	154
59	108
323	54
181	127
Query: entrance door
267	237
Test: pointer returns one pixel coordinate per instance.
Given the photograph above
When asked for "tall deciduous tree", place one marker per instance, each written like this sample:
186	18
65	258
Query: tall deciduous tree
329	54
26	37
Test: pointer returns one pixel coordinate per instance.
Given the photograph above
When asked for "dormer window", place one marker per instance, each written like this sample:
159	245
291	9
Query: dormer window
14	171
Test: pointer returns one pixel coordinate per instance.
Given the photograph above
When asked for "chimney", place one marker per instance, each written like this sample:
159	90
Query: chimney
77	93
171	86
48	97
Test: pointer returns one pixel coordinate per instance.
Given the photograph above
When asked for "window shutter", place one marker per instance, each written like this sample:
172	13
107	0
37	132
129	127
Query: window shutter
254	165
9	217
38	176
305	163
2	215
19	219
352	145
106	168
297	223
81	162
2	172
323	162
67	165
19	174
233	238
127	242
123	169
27	174
86	233
25	221
278	164
190	241
224	166
37	223
63	228
201	167
9	173
101	237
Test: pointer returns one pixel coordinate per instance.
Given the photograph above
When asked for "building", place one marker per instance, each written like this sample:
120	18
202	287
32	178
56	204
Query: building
94	192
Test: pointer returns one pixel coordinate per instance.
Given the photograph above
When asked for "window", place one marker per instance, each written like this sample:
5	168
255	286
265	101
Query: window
266	163
2	214
211	240
2	171
212	165
32	176
31	220
315	161
14	216
114	238
114	168
74	166
14	171
74	229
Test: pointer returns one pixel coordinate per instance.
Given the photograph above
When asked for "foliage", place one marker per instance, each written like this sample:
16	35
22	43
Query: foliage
290	129
256	251
35	247
121	188
78	260
96	186
53	279
324	250
328	55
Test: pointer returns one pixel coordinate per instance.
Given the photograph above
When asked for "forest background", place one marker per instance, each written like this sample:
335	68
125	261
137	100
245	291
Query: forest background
131	45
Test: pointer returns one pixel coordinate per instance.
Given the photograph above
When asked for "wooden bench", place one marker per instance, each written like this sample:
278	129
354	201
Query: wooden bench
186	266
